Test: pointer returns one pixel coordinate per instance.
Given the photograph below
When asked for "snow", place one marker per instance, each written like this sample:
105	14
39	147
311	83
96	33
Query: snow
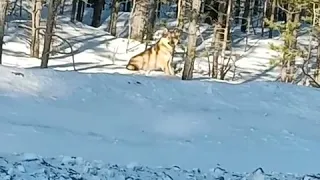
66	167
155	122
104	122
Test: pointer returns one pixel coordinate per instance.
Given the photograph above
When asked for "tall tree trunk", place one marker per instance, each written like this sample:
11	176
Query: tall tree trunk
281	14
237	11
192	38
316	74
317	71
97	10
53	48
63	3
226	39
267	10
112	27
139	20
73	10
203	5
264	15
35	36
211	10
80	10
256	7
158	11
245	16
181	13
151	18
127	6
3	14
222	18
20	9
217	50
272	16
218	38
52	12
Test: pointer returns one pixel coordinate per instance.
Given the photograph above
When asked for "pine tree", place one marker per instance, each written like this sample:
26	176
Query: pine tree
289	50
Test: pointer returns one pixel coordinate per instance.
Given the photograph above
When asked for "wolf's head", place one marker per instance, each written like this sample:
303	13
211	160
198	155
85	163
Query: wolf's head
171	37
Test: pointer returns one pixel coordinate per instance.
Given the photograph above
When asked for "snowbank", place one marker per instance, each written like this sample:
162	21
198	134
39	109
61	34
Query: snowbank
122	119
33	167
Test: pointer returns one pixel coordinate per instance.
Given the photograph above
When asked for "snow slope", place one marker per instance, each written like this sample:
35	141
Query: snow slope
122	119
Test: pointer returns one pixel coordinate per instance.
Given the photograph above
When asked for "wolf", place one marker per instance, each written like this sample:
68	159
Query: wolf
159	56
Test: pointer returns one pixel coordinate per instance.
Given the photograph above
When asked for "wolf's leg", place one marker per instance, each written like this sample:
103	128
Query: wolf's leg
169	68
165	69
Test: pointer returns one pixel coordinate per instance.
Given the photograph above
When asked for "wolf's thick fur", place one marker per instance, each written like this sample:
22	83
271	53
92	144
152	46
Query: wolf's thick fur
157	57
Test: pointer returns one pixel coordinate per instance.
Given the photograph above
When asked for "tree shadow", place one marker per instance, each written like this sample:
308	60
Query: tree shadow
86	42
99	66
262	74
66	65
15	53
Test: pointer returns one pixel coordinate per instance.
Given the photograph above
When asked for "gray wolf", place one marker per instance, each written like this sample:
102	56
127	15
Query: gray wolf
159	56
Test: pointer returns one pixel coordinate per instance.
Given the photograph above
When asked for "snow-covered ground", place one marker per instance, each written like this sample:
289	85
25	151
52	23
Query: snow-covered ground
99	123
122	119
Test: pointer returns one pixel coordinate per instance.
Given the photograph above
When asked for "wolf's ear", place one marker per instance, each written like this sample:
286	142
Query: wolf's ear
165	32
